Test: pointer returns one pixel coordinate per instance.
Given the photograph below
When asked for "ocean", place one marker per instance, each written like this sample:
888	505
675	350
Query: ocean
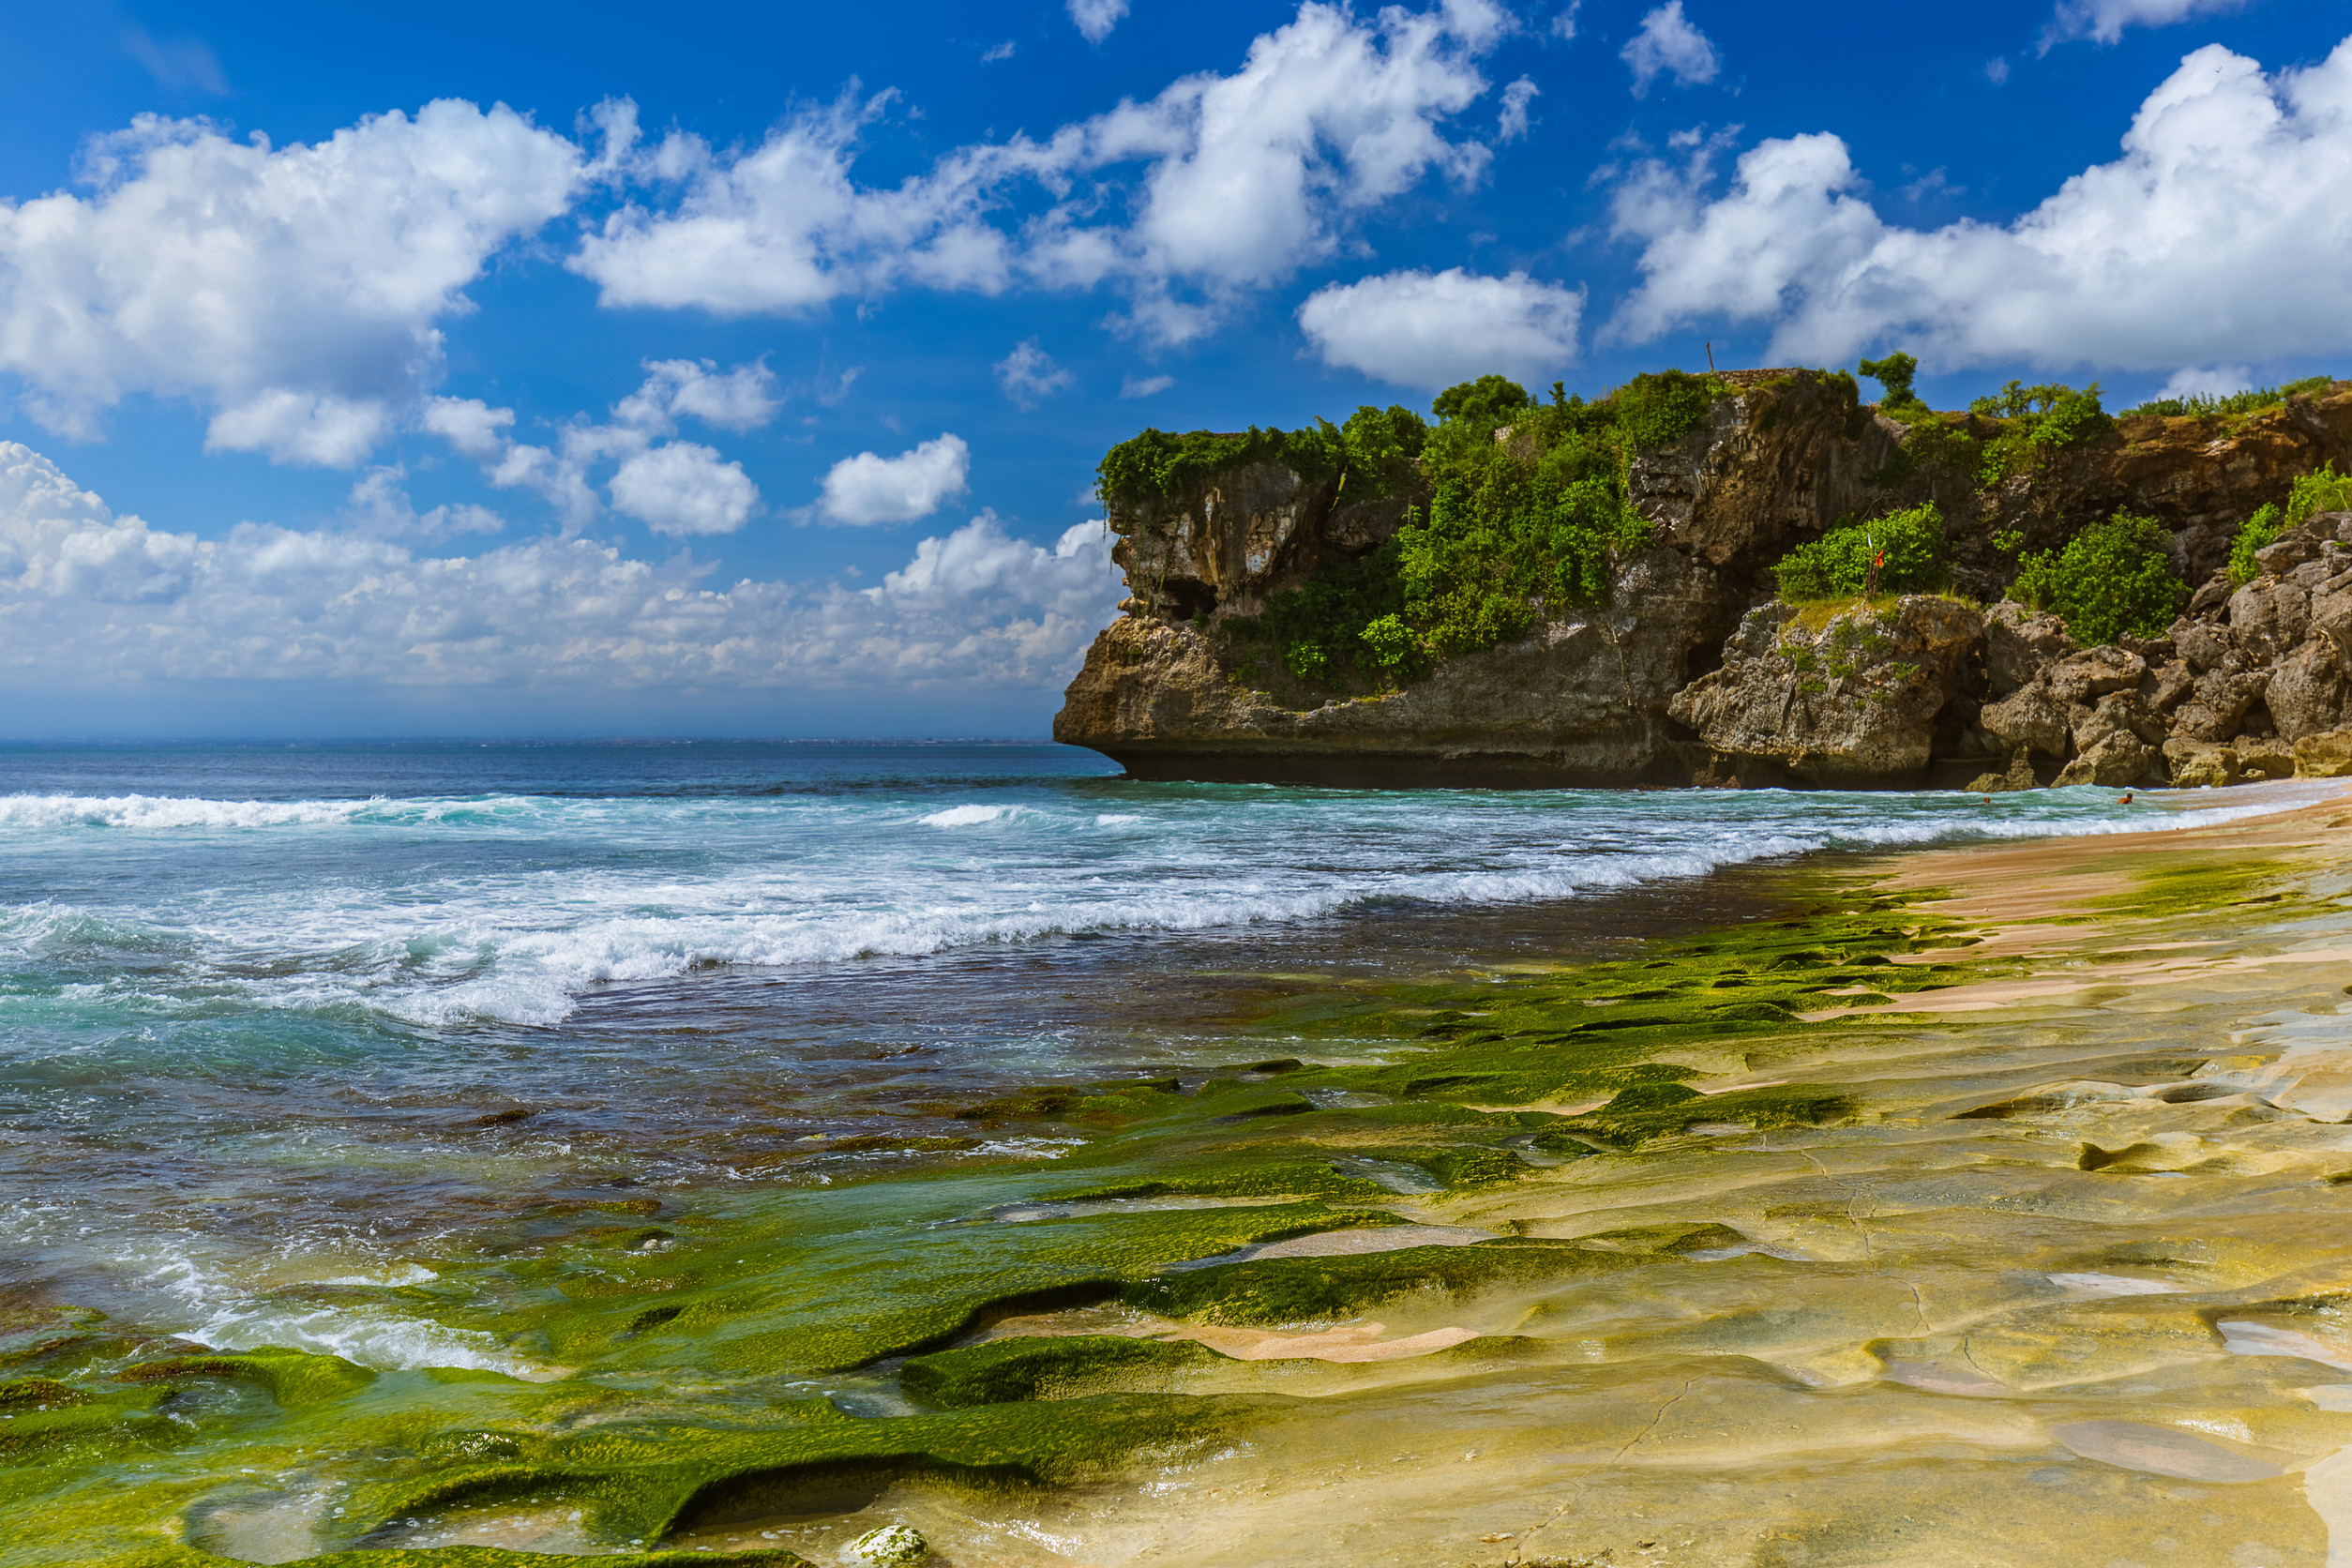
316	1013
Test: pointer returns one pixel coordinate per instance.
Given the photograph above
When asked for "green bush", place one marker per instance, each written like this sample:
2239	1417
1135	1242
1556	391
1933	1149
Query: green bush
2261	529
1664	406
1894	373
1837	564
2035	420
1160	463
1489	400
2113	579
2324	491
1382	447
2206	405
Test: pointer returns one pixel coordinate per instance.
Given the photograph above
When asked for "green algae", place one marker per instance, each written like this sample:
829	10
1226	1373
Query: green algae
1322	1289
293	1378
1060	1366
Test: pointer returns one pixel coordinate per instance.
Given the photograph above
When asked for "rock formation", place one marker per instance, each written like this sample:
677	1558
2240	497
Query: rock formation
1693	672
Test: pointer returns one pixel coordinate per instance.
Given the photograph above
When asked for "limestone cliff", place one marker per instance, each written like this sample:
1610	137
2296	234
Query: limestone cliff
1686	668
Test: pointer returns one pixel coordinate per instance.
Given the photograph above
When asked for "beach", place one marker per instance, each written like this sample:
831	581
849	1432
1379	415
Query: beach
1967	1203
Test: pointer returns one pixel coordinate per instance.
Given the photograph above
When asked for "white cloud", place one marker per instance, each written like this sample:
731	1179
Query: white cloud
683	488
1432	330
743	399
1097	18
1145	387
1515	97
1030	376
178	64
1001	51
1224	183
679	489
1564	25
1669	45
89	599
2104	21
294	292
1997	70
470	425
2218	380
2218	236
380	508
873	489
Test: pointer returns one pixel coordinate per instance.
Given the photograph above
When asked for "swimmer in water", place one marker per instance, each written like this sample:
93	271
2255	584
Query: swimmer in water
2126	800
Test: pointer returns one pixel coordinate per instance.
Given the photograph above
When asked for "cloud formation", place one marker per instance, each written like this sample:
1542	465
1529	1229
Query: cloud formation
1030	376
2104	21
294	294
677	487
869	487
1430	330
1097	18
1224	183
1669	45
88	597
2217	236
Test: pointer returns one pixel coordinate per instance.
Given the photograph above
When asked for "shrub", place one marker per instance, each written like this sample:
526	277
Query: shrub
1894	373
2324	491
1837	564
2115	577
1160	463
1383	448
2208	405
1489	400
1655	409
2261	529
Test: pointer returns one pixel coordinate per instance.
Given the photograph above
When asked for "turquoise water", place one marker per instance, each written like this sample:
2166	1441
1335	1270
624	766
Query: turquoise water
288	1013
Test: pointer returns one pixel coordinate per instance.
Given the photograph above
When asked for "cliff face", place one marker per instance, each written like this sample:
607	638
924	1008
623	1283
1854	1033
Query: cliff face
1692	671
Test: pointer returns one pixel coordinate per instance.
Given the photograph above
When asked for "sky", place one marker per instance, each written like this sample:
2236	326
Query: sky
530	370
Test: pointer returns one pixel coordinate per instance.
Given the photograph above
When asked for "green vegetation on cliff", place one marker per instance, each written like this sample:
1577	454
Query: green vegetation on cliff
1909	546
2114	579
1512	506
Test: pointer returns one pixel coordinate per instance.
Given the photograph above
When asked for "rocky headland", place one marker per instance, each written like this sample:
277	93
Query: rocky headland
1668	652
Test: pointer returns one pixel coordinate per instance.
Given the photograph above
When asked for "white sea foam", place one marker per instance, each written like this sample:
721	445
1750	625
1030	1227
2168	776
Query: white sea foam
507	908
966	816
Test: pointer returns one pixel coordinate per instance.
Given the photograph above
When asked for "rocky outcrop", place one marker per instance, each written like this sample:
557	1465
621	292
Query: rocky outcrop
1852	702
1577	702
1693	672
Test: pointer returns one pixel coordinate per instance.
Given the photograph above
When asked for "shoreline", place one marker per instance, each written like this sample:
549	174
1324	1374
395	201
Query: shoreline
2025	1236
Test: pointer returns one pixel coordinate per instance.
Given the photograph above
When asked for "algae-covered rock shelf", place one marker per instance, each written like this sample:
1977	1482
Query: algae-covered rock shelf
1982	1223
1672	585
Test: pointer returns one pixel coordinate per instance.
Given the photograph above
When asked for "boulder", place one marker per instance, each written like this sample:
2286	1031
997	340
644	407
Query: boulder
2326	755
2087	676
2167	686
2119	760
2220	704
2018	643
2124	713
1851	705
2267	617
2306	693
2198	765
2019	776
2029	720
2264	756
2202	643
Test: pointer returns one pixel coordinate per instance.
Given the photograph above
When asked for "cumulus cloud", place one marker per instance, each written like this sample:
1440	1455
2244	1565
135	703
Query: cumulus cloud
683	488
1030	376
1145	387
1218	185
2217	234
1564	25
295	292
380	507
2217	381
679	488
1515	97
2104	21
1431	330
1669	45
88	597
1097	18
869	487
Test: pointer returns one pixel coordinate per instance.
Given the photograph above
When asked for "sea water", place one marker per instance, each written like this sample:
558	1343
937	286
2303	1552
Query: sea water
317	1013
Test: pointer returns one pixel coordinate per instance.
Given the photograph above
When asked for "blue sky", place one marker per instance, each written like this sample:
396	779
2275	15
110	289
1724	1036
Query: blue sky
536	369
